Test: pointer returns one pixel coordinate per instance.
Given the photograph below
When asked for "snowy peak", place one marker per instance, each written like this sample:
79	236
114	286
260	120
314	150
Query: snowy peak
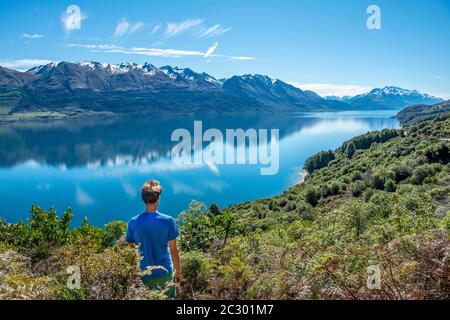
187	74
43	68
267	81
391	97
122	68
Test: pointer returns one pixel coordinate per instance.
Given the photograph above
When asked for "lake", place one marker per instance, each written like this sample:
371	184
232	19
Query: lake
97	166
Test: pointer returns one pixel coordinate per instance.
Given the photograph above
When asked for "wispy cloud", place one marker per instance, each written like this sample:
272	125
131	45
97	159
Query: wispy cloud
94	46
175	28
156	28
123	28
31	36
159	52
211	50
330	89
242	58
72	18
136	27
156	52
83	198
23	64
213	31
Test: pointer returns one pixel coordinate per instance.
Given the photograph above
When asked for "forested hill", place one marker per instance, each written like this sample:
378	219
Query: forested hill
420	113
379	202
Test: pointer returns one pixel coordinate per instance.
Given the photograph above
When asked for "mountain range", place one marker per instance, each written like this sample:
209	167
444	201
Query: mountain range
67	88
387	98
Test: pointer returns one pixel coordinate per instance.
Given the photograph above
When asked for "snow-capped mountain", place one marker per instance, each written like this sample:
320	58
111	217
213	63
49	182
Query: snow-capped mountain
187	74
131	87
389	97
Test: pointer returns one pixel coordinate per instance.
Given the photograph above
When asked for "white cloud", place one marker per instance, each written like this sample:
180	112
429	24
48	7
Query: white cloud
213	31
175	28
72	18
330	89
442	95
94	46
23	64
211	50
129	190
156	28
136	27
83	198
242	58
156	52
31	36
121	28
125	28
180	188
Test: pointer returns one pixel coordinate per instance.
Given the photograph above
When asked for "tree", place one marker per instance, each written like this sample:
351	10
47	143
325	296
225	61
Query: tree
214	209
390	185
319	161
350	151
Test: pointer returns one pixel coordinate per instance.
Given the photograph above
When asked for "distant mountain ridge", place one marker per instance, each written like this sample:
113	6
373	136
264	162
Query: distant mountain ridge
389	97
126	88
419	113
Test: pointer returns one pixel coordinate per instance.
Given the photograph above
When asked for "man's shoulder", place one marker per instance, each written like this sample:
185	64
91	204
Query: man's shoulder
163	216
135	218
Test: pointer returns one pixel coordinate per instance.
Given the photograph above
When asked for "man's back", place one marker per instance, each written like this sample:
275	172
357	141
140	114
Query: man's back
152	232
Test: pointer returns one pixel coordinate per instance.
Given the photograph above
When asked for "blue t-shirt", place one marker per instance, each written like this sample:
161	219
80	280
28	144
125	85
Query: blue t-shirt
152	232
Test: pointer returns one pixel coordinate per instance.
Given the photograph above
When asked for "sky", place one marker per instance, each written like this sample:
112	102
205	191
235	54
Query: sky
324	46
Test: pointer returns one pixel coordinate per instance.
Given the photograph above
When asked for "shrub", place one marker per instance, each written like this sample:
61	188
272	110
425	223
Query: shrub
402	172
196	273
350	150
305	210
421	173
282	202
390	185
312	196
319	160
114	231
357	188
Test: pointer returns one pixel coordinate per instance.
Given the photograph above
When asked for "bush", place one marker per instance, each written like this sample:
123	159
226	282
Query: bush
114	231
312	196
357	188
390	185
421	173
402	172
319	161
196	273
305	210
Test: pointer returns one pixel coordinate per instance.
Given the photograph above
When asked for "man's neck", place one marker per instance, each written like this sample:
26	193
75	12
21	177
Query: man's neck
151	208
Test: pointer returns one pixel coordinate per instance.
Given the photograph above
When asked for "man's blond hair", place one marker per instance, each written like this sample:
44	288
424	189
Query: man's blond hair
151	191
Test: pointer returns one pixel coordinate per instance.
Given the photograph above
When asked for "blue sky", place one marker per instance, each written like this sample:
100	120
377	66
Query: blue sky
320	45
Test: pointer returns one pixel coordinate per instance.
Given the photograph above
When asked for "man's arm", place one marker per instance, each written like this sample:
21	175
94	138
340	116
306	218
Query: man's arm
174	253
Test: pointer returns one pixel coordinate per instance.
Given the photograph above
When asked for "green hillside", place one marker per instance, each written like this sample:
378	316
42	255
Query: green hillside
380	200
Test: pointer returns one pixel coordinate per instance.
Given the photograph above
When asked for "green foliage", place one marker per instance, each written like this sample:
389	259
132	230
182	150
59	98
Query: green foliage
390	185
421	173
312	196
319	160
199	228
385	205
350	150
114	231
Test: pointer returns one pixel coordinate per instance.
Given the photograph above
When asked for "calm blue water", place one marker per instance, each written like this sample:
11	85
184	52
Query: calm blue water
97	167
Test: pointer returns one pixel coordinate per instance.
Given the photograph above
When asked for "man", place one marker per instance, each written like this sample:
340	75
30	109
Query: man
155	234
